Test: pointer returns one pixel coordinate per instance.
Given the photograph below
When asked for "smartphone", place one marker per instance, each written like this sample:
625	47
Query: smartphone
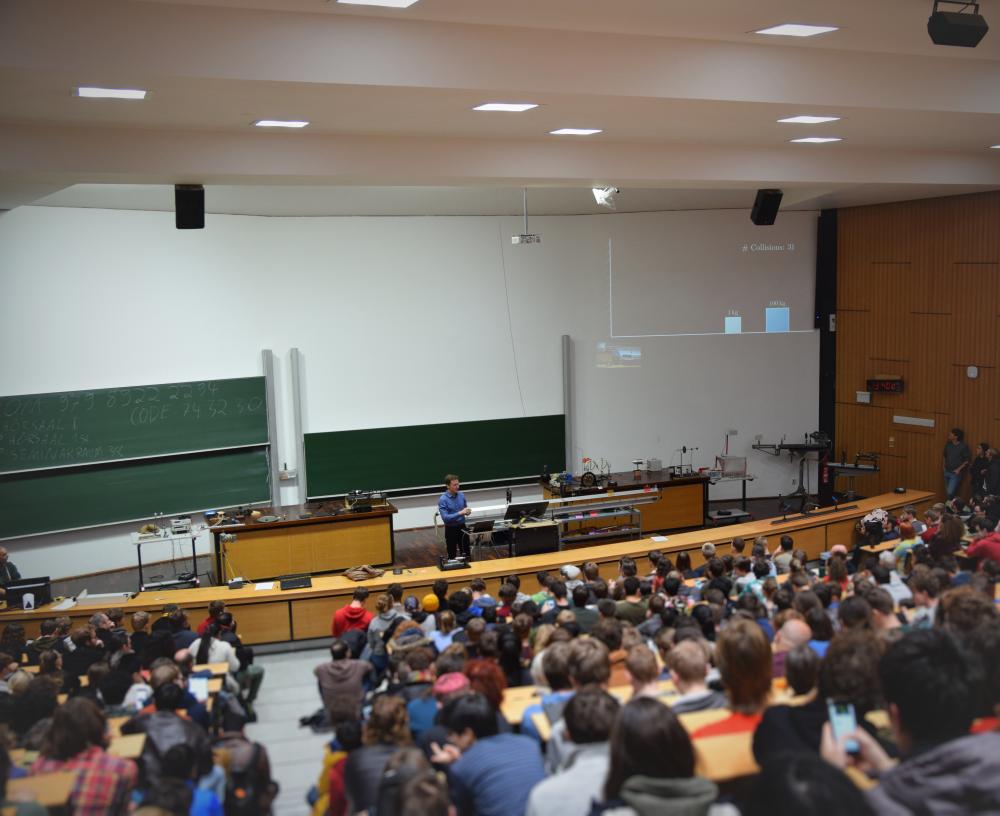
843	721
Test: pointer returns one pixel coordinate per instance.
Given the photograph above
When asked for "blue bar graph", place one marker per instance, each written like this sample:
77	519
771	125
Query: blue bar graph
734	324
777	319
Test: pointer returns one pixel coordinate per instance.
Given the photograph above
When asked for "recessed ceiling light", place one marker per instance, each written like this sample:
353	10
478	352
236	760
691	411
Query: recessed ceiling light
995	147
796	30
110	93
386	3
575	132
509	107
817	139
809	120
279	123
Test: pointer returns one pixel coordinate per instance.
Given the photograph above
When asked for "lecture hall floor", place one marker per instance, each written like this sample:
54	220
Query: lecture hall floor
296	753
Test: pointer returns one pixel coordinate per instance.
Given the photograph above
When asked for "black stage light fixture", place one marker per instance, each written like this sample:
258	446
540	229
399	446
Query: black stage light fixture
189	206
765	207
963	28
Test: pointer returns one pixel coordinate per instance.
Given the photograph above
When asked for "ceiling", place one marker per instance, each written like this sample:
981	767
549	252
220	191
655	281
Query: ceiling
686	97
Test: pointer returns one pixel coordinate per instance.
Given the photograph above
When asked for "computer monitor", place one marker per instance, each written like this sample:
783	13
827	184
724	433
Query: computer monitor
526	510
40	588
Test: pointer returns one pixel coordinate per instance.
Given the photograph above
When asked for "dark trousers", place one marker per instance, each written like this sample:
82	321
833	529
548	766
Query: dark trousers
456	541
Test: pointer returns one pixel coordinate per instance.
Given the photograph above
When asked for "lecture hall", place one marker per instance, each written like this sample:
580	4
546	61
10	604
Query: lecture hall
452	408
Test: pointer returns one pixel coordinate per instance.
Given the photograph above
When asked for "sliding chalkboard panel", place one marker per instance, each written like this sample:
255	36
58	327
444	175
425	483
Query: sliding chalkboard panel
420	455
77	427
89	495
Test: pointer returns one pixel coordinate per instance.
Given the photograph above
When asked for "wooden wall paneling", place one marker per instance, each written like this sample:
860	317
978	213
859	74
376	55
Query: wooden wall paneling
973	295
919	283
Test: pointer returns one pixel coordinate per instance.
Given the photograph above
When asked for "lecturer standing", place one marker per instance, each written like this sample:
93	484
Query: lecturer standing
453	510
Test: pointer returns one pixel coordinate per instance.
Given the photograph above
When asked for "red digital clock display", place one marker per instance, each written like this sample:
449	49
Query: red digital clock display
886	385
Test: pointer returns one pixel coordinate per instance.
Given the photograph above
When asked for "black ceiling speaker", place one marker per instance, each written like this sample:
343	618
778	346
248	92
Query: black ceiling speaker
961	28
765	207
189	206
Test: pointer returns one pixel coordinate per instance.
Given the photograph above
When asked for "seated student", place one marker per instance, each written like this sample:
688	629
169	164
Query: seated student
803	783
555	665
802	670
632	609
743	656
586	616
848	673
387	729
885	620
688	665
821	629
651	769
489	773
76	741
707	553
342	677
588	666
793	632
986	545
589	718
354	615
559	601
609	632
210	648
717	579
782	556
140	637
164	728
642	671
984	643
932	691
87	650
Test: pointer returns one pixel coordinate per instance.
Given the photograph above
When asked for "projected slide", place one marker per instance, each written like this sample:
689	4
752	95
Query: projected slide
710	272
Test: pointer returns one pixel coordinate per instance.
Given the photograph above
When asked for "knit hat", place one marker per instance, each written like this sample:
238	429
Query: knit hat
431	603
411	604
450	683
570	572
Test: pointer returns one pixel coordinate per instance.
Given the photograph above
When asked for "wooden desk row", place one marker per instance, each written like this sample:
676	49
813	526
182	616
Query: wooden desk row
267	616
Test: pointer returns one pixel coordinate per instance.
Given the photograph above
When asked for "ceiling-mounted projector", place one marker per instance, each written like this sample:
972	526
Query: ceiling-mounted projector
960	28
605	196
525	237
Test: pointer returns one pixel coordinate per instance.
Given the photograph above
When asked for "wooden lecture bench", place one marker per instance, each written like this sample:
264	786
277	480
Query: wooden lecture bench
51	790
683	499
273	616
316	537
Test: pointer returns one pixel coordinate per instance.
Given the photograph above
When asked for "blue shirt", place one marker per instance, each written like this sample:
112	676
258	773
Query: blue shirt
496	775
527	726
450	508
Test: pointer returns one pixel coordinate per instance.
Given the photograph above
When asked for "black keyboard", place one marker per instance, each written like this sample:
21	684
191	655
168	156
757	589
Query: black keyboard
296	582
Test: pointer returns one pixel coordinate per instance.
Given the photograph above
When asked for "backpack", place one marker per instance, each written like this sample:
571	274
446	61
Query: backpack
242	796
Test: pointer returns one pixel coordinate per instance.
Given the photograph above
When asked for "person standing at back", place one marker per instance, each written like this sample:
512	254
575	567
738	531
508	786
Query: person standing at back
453	509
956	461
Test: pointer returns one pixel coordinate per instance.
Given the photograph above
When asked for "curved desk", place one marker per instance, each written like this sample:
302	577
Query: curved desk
267	616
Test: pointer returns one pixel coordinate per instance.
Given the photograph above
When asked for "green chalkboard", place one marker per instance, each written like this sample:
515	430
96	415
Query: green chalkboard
420	455
91	495
77	427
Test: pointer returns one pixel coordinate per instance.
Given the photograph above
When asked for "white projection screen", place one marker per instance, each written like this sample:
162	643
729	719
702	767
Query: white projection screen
710	272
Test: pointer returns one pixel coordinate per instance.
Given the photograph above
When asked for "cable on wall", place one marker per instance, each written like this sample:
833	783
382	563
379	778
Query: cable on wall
510	322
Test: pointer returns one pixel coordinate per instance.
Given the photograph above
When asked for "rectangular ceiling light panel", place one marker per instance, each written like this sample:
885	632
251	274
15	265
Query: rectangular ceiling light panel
110	93
796	30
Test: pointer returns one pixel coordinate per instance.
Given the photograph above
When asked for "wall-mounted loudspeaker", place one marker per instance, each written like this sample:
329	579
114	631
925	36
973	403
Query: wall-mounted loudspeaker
189	206
765	207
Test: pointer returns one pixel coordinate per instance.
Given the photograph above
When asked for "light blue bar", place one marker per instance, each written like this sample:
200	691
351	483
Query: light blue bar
777	319
734	324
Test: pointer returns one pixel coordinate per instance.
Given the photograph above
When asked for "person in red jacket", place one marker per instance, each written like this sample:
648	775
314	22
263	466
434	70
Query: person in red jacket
986	548
354	615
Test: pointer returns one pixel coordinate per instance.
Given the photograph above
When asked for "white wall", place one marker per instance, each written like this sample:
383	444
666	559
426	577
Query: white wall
400	321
